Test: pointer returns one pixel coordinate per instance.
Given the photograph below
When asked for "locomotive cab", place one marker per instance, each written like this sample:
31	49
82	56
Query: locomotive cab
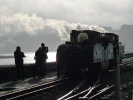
82	35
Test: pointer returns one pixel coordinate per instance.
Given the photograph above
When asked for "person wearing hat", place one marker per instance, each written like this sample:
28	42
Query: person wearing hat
18	55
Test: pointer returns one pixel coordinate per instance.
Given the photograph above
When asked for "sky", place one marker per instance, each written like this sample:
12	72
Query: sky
33	16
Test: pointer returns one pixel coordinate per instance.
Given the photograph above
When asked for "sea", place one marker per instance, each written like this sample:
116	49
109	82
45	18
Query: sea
8	59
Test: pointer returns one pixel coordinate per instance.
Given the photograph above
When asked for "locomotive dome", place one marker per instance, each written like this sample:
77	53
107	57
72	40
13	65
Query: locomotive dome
82	37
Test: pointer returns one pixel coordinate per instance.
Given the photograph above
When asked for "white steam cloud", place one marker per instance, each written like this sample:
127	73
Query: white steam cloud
30	24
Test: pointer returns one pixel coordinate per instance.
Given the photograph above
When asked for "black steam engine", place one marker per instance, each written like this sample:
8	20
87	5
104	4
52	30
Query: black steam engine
87	52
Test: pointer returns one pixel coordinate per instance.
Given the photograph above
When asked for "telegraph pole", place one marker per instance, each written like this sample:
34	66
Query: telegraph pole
117	72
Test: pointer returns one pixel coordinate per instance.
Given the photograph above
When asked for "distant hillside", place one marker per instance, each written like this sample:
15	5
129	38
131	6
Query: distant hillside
125	35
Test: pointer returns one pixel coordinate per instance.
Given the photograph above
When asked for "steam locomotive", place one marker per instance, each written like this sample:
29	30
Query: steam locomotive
88	52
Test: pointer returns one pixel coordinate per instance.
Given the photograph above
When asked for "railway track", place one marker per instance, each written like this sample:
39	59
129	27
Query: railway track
105	93
128	61
73	90
81	91
24	93
96	91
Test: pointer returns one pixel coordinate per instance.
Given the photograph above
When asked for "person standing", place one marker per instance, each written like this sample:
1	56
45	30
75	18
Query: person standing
45	50
39	55
18	55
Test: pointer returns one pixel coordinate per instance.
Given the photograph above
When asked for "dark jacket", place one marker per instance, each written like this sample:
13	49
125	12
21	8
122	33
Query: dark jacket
45	50
39	54
18	55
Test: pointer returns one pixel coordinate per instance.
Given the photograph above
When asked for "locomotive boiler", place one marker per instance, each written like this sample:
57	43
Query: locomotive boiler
87	52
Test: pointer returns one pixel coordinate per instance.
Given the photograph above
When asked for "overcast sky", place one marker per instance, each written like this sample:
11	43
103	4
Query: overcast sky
33	13
30	16
91	12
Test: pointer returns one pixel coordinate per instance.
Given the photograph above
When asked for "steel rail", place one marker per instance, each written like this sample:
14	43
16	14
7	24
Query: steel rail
82	92
101	92
78	94
32	88
74	90
126	62
35	92
94	86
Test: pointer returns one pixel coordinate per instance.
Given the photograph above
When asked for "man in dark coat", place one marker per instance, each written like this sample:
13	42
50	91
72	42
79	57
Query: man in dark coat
18	55
45	50
39	55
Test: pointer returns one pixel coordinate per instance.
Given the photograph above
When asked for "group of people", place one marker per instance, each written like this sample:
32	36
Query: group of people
40	61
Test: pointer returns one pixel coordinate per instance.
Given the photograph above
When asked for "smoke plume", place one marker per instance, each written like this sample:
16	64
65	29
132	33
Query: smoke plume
20	22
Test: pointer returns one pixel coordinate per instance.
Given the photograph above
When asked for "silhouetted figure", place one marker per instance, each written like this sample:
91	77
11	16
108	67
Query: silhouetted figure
39	57
45	50
18	55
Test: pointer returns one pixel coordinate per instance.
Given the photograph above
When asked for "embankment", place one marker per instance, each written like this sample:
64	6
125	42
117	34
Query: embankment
9	72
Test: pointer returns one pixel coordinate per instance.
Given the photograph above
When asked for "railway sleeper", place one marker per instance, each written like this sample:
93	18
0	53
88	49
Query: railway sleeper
107	97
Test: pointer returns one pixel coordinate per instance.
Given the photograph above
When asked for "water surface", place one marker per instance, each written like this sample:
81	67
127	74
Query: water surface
8	59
